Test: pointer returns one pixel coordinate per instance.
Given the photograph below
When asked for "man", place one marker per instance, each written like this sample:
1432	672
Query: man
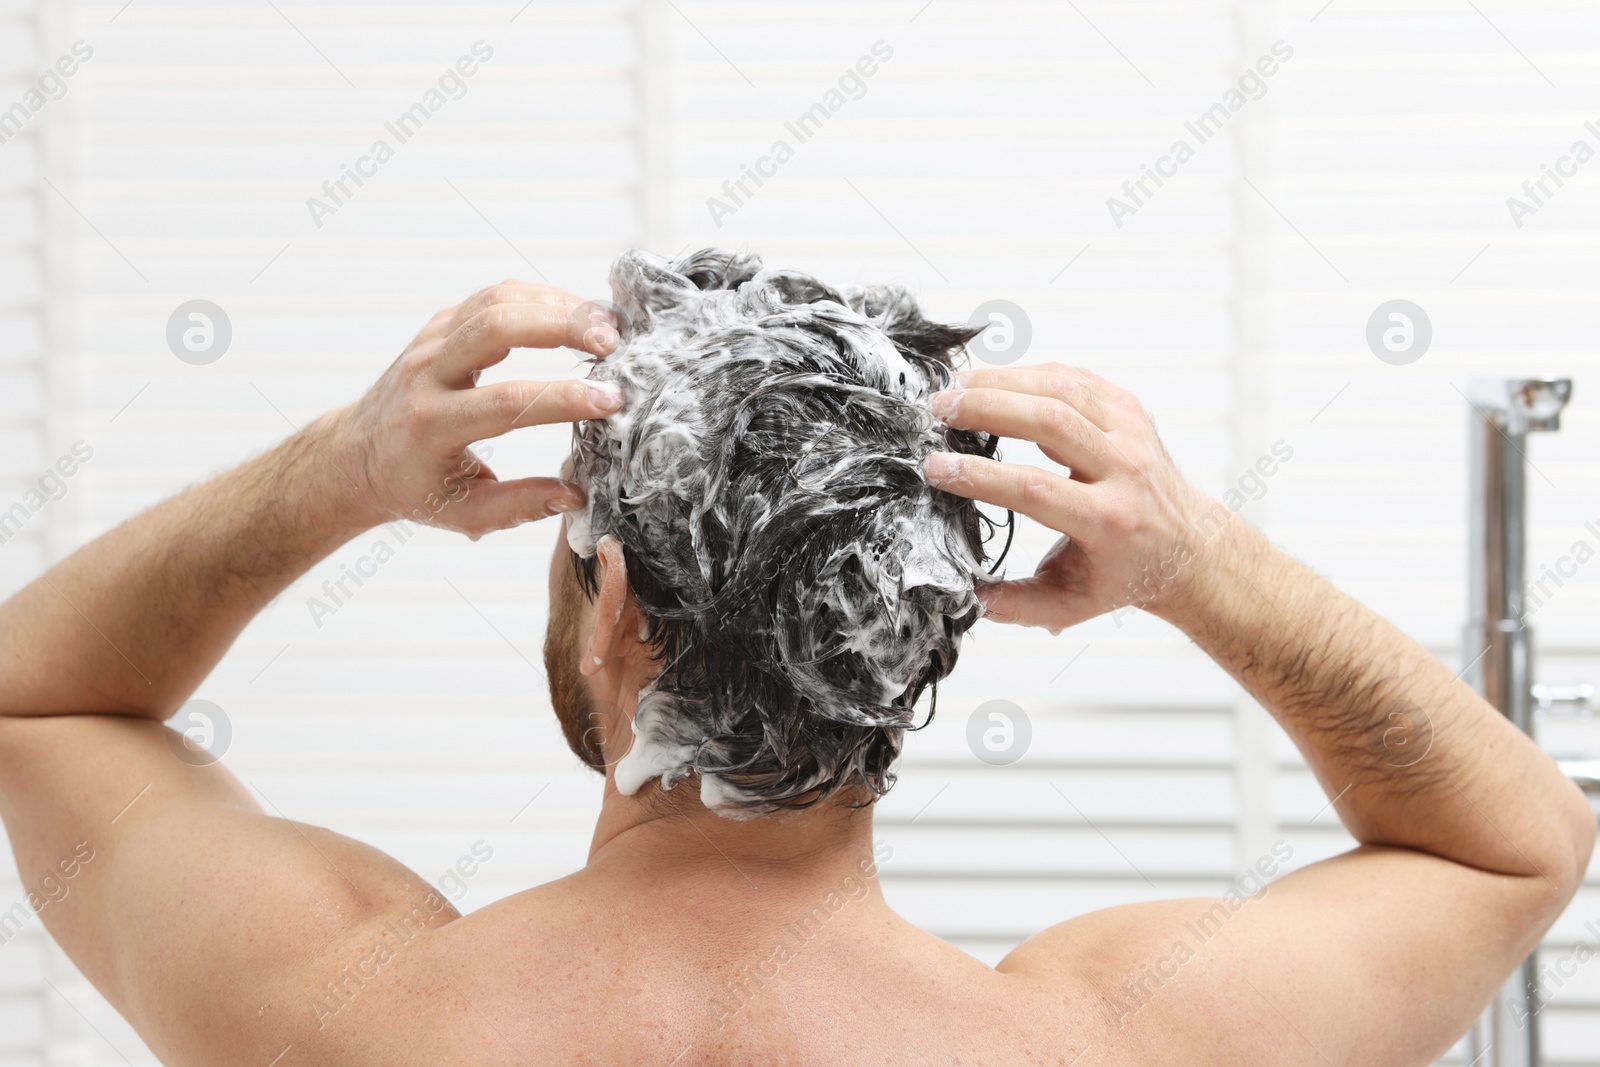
209	923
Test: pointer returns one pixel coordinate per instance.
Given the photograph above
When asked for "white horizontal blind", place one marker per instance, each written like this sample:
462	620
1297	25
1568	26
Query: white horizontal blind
974	162
28	1014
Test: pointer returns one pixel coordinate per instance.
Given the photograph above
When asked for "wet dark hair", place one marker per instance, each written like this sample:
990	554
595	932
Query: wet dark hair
801	582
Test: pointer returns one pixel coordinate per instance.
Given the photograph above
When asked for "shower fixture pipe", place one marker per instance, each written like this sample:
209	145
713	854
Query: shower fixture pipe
1498	645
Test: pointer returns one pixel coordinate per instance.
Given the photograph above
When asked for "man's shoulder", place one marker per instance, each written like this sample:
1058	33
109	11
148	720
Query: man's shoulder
1150	978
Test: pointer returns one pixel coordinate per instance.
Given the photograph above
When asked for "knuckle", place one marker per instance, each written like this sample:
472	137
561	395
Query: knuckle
1119	521
1059	384
505	293
580	321
508	401
415	362
473	303
468	331
419	412
1058	420
970	406
1069	385
576	394
421	354
495	321
1037	488
478	325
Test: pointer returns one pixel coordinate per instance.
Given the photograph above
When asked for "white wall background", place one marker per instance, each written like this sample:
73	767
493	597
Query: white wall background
976	165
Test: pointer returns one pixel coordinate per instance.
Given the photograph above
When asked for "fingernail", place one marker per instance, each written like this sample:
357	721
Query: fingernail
607	396
960	378
603	339
562	504
944	403
940	467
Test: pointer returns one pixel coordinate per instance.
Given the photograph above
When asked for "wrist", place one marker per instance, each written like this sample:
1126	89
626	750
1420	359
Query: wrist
323	482
1225	557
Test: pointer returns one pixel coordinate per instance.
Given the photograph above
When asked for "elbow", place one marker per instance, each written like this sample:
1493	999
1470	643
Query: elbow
1572	847
1585	827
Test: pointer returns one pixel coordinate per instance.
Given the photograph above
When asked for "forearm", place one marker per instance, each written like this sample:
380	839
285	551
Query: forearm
1415	757
134	621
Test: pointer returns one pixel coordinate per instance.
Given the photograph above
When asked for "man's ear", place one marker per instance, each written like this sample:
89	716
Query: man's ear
612	606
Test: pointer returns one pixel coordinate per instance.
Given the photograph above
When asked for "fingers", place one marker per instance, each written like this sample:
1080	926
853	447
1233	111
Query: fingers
492	410
1057	501
1032	602
510	291
1065	434
491	505
487	336
446	321
513	291
1104	404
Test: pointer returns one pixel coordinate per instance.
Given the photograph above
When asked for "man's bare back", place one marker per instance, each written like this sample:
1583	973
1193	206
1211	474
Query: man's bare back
226	934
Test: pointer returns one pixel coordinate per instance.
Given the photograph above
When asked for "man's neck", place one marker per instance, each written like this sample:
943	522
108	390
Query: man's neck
672	830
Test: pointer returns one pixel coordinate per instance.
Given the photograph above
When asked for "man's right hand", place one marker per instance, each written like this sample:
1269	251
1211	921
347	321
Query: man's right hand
1129	516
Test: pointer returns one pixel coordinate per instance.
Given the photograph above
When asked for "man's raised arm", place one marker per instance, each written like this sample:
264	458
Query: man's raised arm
1472	839
133	622
177	873
1412	755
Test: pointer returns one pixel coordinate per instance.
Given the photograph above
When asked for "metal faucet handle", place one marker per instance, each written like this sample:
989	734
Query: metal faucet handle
1521	405
1563	701
1585	772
